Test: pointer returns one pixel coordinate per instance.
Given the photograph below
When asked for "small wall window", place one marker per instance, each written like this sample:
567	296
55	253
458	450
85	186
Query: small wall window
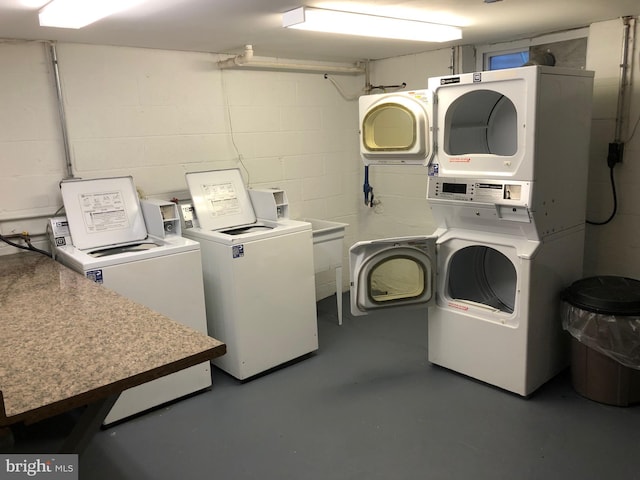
508	60
567	49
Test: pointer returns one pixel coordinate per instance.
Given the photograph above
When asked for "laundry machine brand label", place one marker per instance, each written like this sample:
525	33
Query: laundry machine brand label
447	81
238	251
95	275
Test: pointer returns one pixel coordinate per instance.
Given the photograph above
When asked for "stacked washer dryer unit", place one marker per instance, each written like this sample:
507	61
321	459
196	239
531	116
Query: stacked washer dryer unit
258	273
507	157
106	237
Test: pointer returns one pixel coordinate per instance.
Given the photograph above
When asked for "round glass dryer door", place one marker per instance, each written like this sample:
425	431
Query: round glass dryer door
483	275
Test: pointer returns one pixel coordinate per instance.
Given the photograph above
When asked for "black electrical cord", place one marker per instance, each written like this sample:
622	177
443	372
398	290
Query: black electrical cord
29	246
615	200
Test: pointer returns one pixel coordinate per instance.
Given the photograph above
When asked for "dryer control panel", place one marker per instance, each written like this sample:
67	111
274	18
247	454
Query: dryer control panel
479	191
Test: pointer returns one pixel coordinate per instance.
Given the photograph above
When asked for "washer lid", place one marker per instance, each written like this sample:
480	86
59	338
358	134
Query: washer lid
103	211
609	295
220	198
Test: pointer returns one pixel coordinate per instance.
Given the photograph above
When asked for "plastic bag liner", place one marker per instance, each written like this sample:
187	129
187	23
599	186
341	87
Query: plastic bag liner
603	313
614	336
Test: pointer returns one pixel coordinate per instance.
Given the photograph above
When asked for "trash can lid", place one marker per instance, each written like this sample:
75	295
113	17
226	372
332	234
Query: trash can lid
606	294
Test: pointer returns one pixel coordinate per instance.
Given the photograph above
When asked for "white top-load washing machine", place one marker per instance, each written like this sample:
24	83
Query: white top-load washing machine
258	275
104	236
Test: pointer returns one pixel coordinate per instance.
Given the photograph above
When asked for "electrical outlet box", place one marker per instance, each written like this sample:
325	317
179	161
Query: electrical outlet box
616	151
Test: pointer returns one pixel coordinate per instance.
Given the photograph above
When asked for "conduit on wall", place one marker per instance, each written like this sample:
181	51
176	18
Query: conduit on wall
628	43
61	111
245	60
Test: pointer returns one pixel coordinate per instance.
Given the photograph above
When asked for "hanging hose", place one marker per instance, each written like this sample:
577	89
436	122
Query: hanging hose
367	189
26	238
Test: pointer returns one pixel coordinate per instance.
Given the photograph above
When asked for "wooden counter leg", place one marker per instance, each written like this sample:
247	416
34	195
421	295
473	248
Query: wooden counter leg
88	424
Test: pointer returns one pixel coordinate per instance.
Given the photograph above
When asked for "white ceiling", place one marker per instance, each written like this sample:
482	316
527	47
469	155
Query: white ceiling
225	26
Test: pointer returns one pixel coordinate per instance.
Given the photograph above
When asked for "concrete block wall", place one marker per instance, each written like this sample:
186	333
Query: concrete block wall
613	249
156	114
31	152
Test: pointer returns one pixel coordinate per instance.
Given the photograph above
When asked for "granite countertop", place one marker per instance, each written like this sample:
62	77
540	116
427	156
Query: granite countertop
67	341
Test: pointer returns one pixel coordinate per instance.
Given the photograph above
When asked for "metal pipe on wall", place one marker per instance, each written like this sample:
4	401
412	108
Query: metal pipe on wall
623	105
61	111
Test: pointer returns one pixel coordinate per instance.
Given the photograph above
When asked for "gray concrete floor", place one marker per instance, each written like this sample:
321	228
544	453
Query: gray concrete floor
369	406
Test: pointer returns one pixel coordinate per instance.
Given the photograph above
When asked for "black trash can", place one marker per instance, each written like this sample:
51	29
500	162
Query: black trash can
602	314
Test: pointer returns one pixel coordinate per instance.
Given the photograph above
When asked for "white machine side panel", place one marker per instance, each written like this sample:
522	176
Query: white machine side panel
159	391
558	265
563	129
262	304
171	285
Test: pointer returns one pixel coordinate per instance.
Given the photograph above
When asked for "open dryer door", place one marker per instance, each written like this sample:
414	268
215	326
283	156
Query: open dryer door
396	128
392	272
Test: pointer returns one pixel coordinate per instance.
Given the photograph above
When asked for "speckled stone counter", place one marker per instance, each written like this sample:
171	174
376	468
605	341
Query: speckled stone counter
68	342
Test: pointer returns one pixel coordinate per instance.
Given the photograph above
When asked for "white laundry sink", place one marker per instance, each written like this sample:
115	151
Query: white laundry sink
327	243
327	251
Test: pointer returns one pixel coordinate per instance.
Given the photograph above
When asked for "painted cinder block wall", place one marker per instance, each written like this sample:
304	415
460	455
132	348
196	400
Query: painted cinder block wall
157	114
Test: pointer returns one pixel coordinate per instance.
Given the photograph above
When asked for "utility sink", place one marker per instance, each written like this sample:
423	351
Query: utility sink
327	251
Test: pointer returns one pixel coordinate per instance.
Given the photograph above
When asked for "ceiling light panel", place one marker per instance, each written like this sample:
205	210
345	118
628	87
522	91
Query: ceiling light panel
348	23
80	13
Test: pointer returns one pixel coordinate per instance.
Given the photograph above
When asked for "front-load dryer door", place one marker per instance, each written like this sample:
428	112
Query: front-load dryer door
393	272
396	128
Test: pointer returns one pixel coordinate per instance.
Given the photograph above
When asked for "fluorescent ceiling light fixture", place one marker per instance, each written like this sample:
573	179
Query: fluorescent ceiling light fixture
79	13
334	21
